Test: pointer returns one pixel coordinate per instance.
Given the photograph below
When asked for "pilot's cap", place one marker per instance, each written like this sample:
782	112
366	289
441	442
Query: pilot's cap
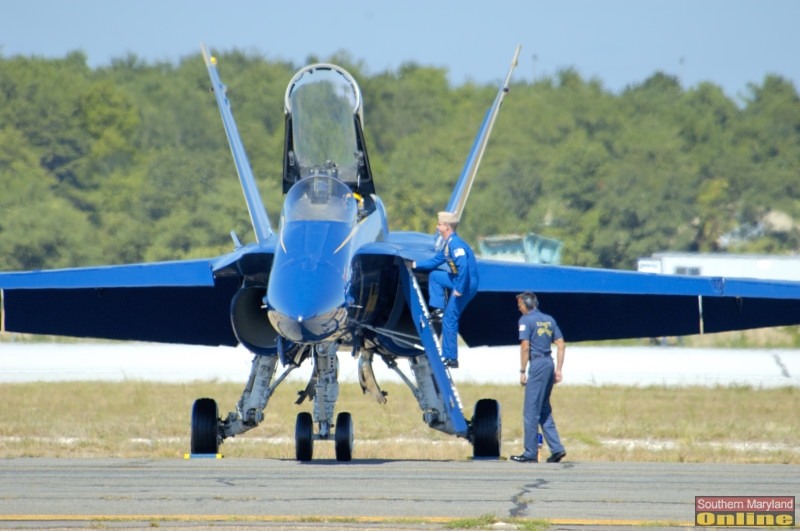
447	217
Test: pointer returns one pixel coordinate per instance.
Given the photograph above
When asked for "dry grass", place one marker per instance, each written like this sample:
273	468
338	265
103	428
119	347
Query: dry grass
609	423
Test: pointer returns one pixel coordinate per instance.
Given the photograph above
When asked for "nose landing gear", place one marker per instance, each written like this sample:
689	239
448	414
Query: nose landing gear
304	437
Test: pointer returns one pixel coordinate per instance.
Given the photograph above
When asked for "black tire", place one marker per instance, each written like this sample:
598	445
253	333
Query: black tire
205	422
304	436
343	437
487	429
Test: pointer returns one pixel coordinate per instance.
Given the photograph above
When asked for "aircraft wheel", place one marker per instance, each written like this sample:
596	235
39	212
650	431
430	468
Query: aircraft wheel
343	437
205	426
304	436
487	428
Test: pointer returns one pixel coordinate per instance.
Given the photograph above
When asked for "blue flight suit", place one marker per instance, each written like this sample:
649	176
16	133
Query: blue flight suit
461	276
540	330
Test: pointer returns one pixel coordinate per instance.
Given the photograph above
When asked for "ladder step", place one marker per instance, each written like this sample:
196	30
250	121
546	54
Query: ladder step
430	341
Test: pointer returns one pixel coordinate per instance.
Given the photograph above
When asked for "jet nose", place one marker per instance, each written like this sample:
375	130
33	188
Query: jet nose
322	326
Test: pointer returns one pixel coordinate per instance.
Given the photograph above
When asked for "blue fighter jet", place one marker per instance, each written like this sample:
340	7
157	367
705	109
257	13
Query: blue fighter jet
333	278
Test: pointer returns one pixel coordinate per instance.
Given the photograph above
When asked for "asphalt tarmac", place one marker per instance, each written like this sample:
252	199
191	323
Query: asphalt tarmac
47	493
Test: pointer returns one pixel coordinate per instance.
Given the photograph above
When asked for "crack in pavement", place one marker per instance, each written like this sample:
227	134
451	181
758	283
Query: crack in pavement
521	501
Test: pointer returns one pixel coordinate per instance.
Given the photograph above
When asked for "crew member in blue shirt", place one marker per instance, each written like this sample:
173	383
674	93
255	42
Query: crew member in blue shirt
460	278
537	332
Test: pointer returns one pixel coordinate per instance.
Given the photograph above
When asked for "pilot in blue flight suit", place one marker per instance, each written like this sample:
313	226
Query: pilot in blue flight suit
461	278
537	331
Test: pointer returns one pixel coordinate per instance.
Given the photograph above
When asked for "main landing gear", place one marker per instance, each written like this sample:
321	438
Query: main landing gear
486	429
435	390
205	431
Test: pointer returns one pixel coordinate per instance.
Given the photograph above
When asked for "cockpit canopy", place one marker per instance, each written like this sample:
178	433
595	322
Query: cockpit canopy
323	129
320	198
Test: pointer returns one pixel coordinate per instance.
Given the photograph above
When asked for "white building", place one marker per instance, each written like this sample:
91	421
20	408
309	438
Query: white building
765	267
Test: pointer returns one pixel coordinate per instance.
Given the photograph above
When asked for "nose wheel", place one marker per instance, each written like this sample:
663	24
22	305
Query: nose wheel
343	437
304	437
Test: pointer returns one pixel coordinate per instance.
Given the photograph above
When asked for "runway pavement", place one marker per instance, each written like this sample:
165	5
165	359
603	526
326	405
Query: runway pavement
50	492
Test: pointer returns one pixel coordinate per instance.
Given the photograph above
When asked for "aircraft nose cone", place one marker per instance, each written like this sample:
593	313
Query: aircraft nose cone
323	326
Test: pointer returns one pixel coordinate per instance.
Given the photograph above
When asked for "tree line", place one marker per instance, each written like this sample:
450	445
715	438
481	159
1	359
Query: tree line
130	163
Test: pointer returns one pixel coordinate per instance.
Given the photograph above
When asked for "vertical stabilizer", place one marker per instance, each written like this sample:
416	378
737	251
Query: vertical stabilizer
464	184
258	214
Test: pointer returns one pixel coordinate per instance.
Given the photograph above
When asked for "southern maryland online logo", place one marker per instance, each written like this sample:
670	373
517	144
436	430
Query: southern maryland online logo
749	511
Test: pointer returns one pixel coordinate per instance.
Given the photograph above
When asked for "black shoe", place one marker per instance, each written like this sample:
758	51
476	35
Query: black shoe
523	459
556	457
451	364
436	315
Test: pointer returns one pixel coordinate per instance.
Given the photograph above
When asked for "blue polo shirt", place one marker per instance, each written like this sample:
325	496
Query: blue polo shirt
541	330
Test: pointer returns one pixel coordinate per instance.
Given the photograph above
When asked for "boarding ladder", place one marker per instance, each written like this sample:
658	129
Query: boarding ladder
433	351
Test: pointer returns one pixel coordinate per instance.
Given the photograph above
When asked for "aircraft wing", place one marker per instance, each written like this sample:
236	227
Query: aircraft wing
598	304
175	302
